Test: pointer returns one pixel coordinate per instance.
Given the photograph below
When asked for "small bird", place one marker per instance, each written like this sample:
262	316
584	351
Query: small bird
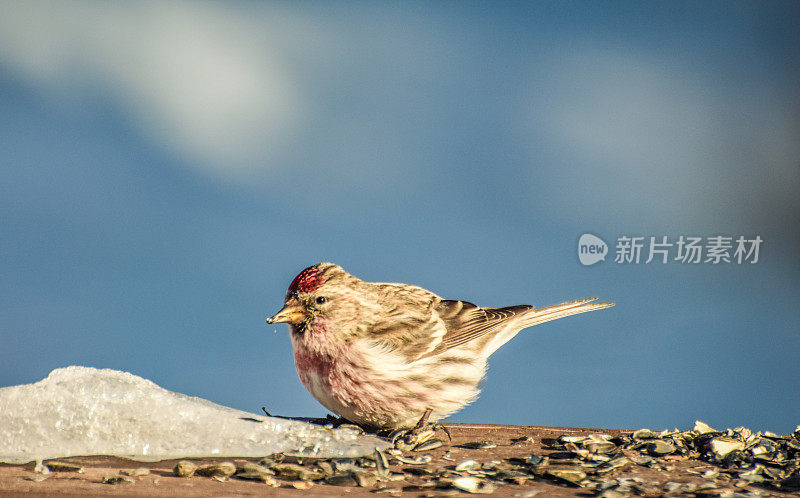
392	356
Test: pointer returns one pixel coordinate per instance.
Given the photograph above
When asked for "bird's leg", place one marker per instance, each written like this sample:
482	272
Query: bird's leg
420	437
423	420
423	425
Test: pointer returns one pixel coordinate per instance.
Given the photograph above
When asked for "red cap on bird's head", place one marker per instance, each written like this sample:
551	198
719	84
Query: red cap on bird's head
307	280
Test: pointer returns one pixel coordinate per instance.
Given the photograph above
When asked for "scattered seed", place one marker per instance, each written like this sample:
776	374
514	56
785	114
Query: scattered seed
419	486
644	434
64	467
473	485
297	471
257	476
185	468
117	480
221	469
722	446
428	445
381	463
617	463
254	468
701	427
568	476
366	479
420	460
660	447
642	460
521	440
478	445
467	465
343	479
600	446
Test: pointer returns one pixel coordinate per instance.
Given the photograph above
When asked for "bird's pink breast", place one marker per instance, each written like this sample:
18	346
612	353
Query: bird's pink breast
311	363
334	371
344	380
333	380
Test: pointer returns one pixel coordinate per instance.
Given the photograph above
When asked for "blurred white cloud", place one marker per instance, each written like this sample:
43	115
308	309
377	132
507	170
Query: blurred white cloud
685	143
203	80
252	94
257	94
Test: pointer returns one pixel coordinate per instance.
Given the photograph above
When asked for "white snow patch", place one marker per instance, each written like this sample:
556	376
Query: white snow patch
86	411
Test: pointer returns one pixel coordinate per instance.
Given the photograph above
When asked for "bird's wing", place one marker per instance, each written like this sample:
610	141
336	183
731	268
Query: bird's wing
426	325
465	322
408	322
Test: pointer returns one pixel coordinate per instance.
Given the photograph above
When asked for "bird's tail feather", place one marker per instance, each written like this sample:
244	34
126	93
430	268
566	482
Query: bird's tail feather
541	315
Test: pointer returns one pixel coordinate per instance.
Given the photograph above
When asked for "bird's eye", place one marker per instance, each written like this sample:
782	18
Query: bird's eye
321	299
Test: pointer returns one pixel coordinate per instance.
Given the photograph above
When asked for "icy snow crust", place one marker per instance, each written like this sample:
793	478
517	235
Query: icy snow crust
86	411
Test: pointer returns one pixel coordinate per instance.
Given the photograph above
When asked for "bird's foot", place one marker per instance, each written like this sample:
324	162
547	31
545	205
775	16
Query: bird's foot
420	437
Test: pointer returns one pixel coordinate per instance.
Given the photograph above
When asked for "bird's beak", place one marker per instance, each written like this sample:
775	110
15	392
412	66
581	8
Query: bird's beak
290	314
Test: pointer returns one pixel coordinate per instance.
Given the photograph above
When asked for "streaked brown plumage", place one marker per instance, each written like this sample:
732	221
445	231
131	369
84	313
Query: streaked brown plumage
381	354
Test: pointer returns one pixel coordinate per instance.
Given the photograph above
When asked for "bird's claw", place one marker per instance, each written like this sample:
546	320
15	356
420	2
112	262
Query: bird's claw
329	420
420	437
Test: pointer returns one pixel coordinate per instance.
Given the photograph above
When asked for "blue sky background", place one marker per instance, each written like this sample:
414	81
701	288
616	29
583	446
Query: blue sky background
166	168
